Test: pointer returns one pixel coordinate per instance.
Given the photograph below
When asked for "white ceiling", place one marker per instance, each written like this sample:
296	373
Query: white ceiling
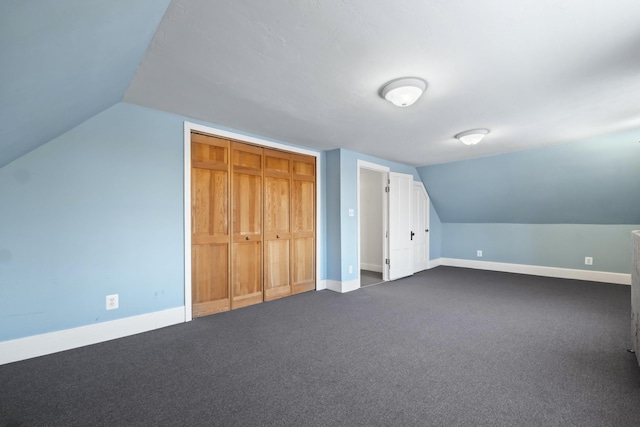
308	72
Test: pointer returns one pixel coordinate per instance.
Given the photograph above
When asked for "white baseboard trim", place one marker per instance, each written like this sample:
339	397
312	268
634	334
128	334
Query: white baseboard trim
351	285
371	267
53	342
343	287
433	263
334	285
321	285
537	270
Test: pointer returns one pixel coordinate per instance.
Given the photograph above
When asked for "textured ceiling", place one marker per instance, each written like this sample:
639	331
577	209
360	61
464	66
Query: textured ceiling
535	72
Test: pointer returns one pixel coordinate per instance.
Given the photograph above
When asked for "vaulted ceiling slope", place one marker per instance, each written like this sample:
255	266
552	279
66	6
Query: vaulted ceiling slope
535	72
595	181
64	61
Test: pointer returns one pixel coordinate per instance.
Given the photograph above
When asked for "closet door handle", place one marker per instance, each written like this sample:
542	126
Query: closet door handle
277	236
246	238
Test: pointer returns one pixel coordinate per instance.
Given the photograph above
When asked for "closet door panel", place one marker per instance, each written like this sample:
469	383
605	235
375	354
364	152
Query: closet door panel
277	224
246	252
210	291
247	274
277	282
303	204
303	269
247	205
210	237
276	205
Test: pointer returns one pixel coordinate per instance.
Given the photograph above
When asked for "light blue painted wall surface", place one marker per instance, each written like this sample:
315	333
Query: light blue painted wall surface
550	245
549	206
322	233
435	234
64	61
96	211
595	181
333	248
349	200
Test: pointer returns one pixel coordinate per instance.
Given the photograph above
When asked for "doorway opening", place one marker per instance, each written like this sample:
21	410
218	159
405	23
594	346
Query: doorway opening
372	218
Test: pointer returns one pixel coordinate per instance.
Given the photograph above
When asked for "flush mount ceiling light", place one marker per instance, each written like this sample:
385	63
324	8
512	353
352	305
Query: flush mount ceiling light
472	137
403	92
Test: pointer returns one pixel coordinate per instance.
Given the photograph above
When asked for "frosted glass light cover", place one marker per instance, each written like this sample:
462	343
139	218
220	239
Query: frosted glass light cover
403	96
404	92
472	137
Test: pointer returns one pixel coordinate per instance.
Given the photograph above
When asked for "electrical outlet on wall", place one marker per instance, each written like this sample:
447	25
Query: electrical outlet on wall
479	253
350	269
112	302
588	260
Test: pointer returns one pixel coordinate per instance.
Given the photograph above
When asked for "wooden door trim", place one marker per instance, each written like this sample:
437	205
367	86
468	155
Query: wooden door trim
225	134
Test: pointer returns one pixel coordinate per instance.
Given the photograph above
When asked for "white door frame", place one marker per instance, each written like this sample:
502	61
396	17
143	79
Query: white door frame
384	170
188	127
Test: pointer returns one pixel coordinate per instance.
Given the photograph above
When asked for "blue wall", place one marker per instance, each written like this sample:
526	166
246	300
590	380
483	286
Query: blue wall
595	181
342	250
548	206
99	210
64	61
549	245
333	249
96	211
435	233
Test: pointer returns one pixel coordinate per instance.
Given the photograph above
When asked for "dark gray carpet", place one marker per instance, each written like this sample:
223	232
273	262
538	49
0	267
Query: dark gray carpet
368	278
445	347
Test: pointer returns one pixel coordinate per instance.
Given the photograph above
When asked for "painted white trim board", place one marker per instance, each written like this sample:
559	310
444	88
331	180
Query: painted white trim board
53	342
433	263
343	287
334	285
537	270
371	267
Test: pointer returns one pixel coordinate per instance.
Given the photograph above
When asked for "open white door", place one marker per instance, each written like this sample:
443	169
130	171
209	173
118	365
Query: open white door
400	254
420	227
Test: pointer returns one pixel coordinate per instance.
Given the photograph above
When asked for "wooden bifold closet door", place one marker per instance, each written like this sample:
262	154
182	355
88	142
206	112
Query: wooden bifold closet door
246	252
253	224
277	224
303	230
210	234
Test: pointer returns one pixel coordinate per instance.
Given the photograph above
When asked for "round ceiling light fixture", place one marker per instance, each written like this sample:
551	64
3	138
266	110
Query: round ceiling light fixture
472	137
403	92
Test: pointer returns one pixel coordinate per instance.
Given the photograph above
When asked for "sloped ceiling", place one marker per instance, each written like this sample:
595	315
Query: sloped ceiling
535	72
64	61
595	181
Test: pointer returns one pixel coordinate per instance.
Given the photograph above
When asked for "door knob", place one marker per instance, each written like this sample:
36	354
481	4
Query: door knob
246	238
277	236
426	231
